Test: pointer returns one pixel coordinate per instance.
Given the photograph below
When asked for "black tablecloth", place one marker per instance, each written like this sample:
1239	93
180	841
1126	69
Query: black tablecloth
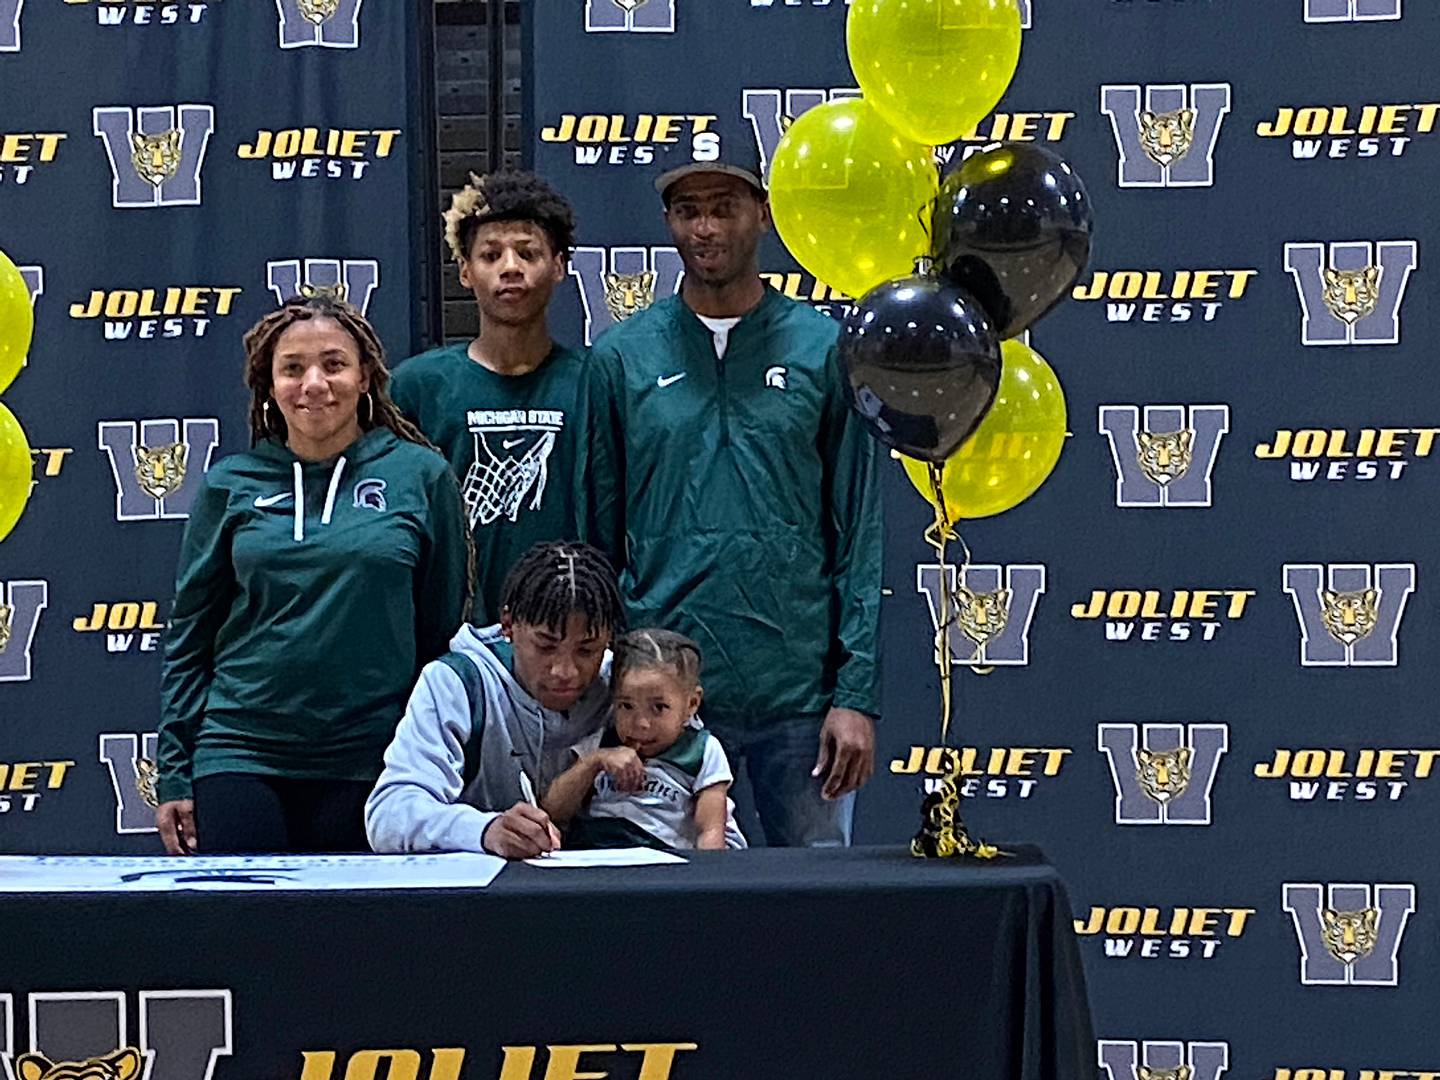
783	964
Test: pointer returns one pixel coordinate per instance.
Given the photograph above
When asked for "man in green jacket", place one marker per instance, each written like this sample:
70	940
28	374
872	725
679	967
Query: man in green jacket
503	407
736	493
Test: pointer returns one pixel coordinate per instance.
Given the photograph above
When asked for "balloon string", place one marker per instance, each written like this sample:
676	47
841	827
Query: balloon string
938	536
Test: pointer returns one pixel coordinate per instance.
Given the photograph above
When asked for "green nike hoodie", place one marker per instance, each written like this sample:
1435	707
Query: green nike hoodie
307	598
511	440
738	497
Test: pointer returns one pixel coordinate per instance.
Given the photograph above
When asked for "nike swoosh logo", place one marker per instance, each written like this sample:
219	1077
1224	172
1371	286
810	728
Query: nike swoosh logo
666	380
510	444
266	501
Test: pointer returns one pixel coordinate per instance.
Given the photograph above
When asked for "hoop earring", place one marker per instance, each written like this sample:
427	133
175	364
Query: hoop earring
369	411
265	414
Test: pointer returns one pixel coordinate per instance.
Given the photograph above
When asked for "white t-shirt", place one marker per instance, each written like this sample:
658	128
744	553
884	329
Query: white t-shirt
720	328
665	806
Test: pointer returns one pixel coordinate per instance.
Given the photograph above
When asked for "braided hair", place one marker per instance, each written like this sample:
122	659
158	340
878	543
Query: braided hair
329	303
556	579
649	650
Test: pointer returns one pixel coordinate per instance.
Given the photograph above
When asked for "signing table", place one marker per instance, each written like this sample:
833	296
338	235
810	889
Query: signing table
864	964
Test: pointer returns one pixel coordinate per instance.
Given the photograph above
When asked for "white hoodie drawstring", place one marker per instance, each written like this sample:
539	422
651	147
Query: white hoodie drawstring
299	505
329	498
334	486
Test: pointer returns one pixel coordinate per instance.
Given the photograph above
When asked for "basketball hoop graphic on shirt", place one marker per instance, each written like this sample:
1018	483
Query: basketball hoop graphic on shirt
512	461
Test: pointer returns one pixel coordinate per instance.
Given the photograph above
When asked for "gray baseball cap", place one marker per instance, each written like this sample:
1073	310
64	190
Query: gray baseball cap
729	164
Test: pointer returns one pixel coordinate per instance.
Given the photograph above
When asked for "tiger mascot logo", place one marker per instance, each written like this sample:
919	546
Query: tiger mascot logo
333	293
982	615
626	294
123	1064
1350	935
1350	295
317	11
1350	616
1180	1072
628	6
156	157
7	620
145	776
1165	457
1163	774
1167	137
160	471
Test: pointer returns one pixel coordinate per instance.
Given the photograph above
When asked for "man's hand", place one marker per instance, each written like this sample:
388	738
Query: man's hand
176	822
847	752
624	766
522	832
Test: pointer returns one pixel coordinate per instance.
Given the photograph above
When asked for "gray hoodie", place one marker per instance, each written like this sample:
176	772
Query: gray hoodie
420	802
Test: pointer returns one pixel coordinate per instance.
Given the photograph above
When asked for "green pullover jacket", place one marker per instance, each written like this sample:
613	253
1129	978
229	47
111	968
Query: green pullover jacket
739	499
307	598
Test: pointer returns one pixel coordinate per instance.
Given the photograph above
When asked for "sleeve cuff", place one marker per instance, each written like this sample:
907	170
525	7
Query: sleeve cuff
862	703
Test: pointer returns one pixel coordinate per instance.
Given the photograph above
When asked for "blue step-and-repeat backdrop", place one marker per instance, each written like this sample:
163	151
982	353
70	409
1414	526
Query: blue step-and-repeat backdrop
1210	700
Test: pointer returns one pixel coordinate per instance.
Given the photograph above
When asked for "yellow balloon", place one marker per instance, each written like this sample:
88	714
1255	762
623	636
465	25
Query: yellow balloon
17	321
1013	450
934	68
850	197
14	471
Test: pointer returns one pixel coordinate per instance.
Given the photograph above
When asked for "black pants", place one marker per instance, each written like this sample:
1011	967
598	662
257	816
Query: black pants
242	814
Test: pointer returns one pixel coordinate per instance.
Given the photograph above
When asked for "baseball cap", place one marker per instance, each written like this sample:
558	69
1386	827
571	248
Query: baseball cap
741	164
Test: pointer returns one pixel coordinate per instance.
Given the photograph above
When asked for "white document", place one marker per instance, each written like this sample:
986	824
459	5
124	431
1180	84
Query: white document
635	856
261	873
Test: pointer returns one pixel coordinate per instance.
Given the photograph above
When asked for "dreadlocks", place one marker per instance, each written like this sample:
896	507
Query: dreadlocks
554	580
648	650
268	423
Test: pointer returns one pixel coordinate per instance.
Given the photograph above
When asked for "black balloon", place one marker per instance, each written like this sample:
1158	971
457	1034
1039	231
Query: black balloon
1012	225
923	364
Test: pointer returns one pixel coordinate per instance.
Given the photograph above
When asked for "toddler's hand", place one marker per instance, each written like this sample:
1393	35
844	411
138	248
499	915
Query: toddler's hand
624	766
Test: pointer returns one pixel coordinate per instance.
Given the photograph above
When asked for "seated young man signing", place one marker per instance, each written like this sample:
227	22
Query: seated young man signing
490	725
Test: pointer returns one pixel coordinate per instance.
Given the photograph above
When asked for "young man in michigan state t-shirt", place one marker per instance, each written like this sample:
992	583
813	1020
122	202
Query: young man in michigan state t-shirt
504	408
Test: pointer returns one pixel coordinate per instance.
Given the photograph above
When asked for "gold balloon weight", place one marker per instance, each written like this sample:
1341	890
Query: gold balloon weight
943	834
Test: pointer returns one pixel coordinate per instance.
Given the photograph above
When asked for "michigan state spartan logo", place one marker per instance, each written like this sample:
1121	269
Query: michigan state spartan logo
630	16
1168	459
85	1033
1350	293
328	24
1166	133
351	280
1163	773
156	464
1158	1060
995	607
155	152
1349	612
21	603
10	25
617	282
1349	934
131	761
771	111
1330	11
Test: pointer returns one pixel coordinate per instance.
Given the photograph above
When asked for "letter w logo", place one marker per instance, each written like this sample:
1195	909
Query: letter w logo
34	278
1146	796
977	635
359	278
1371	955
173	181
617	282
21	603
1190	118
182	1032
1349	612
1324	11
1124	1060
1174	467
769	111
1338	311
630	16
339	29
10	25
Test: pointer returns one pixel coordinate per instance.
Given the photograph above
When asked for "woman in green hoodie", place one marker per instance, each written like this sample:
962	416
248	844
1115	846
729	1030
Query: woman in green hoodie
319	572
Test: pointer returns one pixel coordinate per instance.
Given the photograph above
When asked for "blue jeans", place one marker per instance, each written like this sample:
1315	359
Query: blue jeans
772	760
